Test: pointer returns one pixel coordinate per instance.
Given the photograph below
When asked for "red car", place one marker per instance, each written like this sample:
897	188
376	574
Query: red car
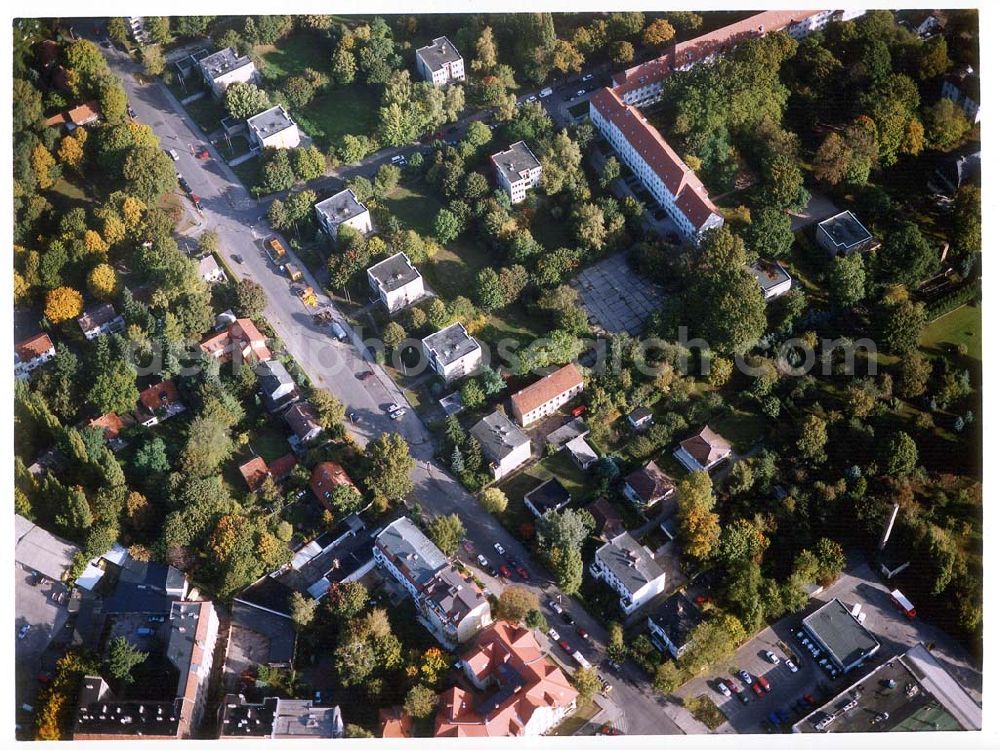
44	677
582	633
522	571
758	691
196	201
581	409
504	571
762	681
202	153
809	699
564	645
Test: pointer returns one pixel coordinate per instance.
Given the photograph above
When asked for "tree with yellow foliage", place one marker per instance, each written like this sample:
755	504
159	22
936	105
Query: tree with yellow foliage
94	243
70	152
21	287
63	303
102	281
133	210
42	164
113	230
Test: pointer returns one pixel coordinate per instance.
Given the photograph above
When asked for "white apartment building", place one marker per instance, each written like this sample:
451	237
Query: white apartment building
642	149
31	353
630	570
343	209
224	68
440	62
452	352
273	128
396	282
518	170
504	444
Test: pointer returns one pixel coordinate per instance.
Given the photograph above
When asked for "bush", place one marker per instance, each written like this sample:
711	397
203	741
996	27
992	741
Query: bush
964	294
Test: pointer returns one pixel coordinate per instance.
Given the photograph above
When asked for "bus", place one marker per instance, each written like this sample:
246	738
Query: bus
905	605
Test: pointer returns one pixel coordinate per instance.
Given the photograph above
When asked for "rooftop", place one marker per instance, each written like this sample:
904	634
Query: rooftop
581	451
219	63
302	418
840	633
769	273
650	482
208	265
562	435
340	207
325	477
455	595
95	317
254	472
411	551
549	495
677	617
845	231
99	713
39	550
498	436
515	161
439	53
542	391
161	394
33	347
911	692
277	630
270	121
300	718
394	272
629	561
450	344
707	446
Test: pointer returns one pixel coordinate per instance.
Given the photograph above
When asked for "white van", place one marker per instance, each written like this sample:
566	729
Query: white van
338	332
544	93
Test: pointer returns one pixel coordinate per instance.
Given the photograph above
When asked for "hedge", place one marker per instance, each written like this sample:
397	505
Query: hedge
953	300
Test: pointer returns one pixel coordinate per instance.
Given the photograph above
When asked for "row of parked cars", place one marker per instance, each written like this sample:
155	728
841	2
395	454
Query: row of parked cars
509	566
817	653
779	717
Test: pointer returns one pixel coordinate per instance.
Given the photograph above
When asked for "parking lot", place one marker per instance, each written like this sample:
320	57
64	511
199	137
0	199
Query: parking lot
44	618
616	297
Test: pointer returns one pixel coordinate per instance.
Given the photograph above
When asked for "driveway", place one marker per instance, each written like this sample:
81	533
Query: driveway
36	609
818	209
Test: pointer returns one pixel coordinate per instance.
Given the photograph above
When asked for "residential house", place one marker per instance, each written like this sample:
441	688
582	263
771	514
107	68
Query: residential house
276	386
32	353
224	68
452	352
158	403
519	692
630	570
38	551
241	338
100	320
704	450
518	170
281	468
254	472
394	722
277	719
772	278
574	427
546	395
962	87
641	147
327	476
343	209
505	446
549	495
608	521
440	62
454	609
210	270
640	418
648	485
671	625
112	425
193	631
273	128
87	113
396	282
956	170
843	234
581	452
303	420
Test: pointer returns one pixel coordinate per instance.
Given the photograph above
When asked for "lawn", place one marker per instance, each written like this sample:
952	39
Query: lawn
561	466
296	53
961	326
741	428
67	195
586	709
580	109
206	112
414	206
337	112
270	444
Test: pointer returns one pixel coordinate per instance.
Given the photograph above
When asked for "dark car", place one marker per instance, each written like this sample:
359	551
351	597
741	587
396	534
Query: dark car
783	715
366	375
202	153
568	618
743	698
582	633
131	112
156	618
185	186
564	645
809	699
522	571
773	718
504	571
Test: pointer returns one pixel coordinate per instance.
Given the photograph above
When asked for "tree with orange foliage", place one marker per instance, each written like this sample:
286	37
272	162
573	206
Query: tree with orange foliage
63	303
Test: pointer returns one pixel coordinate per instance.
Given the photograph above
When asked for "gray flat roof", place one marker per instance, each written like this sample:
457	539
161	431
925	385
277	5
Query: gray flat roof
39	550
394	272
451	344
631	563
411	551
300	718
769	273
270	121
341	206
515	160
438	53
219	63
845	230
845	638
498	436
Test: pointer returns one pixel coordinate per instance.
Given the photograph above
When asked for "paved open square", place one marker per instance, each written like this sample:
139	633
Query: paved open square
616	297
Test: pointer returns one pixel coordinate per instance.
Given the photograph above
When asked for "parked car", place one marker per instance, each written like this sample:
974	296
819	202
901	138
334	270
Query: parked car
131	112
338	331
744	699
745	676
202	153
581	92
482	561
554	606
568	618
544	93
773	718
791	665
809	699
783	715
581	409
498	548
587	77
156	618
582	633
531	98
733	687
522	572
554	635
564	645
23	631
757	690
771	657
44	677
183	183
366	375
721	687
144	632
504	571
762	681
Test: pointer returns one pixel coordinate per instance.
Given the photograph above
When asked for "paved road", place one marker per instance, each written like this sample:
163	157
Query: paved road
238	219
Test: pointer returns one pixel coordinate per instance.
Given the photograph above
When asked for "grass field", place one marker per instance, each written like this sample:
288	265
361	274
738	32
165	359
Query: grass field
414	206
296	53
337	112
206	112
961	326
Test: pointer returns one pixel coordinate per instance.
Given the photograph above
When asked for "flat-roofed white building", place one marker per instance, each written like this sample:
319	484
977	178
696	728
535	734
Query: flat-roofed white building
518	170
843	235
343	209
504	444
453	352
772	277
224	68
629	568
396	282
273	128
440	62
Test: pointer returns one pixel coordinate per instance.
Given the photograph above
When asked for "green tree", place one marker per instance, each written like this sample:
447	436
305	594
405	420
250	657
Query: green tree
393	334
567	564
493	500
250	298
112	377
567	528
420	702
812	439
303	610
900	455
906	257
831	560
586	682
913	374
308	163
446	532
208	445
472	394
123	657
243	100
148	173
346	601
514	604
331	409
388	467
616	649
742	541
770	233
946	125
117	31
899	324
698	525
847	280
446	226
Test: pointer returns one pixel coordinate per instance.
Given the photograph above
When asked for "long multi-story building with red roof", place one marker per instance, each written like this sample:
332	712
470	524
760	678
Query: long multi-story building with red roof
519	692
